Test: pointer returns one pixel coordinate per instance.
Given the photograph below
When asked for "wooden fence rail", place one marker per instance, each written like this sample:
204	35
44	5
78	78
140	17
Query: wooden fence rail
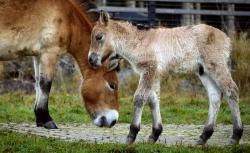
173	11
191	10
202	1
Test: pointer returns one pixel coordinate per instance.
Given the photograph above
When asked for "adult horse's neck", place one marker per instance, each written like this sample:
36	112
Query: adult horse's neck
81	27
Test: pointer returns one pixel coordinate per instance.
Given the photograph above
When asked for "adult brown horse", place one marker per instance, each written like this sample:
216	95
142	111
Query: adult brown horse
47	29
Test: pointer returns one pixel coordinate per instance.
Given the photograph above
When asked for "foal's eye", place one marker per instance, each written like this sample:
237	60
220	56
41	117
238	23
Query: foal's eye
99	37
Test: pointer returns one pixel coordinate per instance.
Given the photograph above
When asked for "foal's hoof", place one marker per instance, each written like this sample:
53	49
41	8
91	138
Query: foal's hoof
151	140
201	142
130	140
233	142
48	125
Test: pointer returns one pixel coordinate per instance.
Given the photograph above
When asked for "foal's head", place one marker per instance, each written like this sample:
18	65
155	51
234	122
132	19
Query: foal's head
101	41
100	93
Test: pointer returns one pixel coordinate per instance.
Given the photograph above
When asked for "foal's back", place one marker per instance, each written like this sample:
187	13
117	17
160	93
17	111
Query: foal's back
30	26
181	48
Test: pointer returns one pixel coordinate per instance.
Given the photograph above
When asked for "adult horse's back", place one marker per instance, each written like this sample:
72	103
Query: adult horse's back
47	29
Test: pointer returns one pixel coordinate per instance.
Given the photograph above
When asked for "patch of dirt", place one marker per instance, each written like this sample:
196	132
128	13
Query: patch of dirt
172	134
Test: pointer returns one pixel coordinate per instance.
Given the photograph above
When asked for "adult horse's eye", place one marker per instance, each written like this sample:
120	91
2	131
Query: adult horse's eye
113	85
99	37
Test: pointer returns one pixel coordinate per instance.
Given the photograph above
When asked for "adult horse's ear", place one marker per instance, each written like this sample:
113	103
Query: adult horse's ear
104	17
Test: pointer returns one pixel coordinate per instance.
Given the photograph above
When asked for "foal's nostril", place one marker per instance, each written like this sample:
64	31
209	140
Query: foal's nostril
93	59
112	123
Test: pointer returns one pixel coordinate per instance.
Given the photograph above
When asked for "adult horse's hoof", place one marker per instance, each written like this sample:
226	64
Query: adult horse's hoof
201	142
48	125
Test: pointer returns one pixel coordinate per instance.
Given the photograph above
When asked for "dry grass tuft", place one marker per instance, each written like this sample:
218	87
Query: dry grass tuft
241	63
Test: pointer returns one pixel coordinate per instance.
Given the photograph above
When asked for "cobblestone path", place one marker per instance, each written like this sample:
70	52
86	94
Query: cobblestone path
172	134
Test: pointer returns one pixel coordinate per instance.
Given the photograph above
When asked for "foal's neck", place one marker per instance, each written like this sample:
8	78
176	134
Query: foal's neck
126	35
126	39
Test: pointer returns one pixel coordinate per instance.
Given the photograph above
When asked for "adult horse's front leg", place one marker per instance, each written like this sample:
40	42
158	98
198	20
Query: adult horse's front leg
44	69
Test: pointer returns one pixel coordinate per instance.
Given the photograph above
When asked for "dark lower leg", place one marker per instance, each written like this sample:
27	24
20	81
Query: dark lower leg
156	132
133	131
233	101
156	117
237	133
237	125
206	134
43	117
135	125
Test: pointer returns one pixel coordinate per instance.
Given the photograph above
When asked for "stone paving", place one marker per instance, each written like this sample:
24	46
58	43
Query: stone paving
172	134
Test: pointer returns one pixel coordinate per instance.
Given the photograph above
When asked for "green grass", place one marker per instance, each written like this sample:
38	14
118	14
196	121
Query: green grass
175	109
14	142
64	108
184	110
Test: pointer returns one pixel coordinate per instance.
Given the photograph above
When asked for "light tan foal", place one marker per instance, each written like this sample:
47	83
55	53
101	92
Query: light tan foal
201	49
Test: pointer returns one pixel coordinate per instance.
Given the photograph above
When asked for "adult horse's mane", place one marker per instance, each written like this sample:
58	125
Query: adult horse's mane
82	7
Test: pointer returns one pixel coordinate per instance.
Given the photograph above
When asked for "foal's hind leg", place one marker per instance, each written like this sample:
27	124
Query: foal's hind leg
214	96
44	69
220	73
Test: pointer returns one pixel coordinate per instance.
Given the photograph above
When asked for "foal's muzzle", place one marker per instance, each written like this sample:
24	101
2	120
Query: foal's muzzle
93	60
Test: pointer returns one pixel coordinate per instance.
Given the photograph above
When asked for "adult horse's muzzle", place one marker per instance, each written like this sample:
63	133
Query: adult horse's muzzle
106	119
94	60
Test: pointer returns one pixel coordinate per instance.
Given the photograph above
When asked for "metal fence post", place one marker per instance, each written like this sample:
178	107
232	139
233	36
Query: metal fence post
198	16
230	21
130	3
187	19
101	2
151	13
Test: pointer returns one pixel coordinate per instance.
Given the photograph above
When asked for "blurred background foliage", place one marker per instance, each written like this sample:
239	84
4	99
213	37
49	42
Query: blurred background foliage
19	75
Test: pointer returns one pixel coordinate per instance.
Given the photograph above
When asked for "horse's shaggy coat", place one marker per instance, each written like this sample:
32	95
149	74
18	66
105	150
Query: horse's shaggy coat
200	49
47	29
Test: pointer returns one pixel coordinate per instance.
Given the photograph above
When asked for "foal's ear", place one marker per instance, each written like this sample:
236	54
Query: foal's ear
104	17
114	62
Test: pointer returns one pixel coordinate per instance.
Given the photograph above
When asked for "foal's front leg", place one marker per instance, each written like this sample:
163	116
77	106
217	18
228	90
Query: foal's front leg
154	104
143	93
139	100
44	69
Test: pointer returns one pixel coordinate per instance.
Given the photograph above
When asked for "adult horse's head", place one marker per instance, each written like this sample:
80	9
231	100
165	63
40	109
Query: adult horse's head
100	93
101	44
